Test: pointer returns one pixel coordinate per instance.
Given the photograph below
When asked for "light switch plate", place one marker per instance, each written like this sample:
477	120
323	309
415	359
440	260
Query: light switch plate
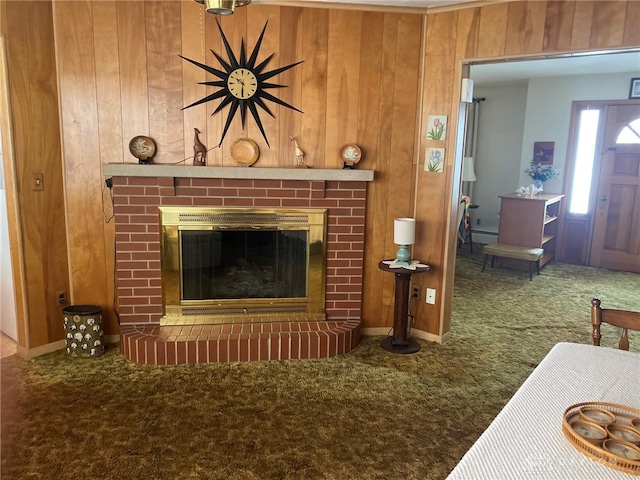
37	181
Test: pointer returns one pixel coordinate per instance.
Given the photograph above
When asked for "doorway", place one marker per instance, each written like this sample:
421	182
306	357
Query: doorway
8	323
527	102
602	217
8	312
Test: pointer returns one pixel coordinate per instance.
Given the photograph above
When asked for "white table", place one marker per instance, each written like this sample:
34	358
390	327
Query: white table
525	440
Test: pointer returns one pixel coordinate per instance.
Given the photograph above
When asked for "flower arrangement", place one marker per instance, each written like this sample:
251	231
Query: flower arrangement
539	172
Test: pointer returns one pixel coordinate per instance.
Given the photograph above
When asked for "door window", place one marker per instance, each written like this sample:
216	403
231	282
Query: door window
630	133
588	122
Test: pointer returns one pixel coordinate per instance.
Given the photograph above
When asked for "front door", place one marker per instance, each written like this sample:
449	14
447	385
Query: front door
616	231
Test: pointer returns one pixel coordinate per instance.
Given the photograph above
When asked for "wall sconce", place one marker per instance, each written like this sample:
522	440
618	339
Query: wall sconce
223	7
404	234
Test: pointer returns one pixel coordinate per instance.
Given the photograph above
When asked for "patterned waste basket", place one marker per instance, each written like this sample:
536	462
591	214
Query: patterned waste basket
83	333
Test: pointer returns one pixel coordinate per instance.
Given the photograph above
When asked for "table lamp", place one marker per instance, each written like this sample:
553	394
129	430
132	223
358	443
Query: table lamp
404	234
468	175
468	172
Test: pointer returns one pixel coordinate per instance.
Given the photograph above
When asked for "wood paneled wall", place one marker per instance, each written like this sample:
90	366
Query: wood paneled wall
367	77
35	136
120	76
503	30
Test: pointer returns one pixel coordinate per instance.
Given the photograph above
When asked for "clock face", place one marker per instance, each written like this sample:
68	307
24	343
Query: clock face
242	83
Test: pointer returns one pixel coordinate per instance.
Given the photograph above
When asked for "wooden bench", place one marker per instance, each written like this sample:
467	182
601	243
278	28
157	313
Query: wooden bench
532	255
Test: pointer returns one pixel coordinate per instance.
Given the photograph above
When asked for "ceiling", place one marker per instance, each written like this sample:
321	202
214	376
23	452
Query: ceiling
519	70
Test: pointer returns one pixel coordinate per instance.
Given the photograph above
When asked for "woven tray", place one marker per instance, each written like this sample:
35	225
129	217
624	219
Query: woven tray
624	416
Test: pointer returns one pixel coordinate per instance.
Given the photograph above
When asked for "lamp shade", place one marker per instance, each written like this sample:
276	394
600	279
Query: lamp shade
468	172
404	231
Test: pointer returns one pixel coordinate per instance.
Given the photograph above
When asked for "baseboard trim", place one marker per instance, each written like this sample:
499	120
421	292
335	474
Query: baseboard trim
385	331
41	350
484	238
55	346
376	331
429	337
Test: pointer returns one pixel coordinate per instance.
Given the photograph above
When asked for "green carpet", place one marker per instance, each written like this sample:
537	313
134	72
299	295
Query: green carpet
366	415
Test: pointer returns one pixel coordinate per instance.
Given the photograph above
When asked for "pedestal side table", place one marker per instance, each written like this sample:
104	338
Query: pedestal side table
400	342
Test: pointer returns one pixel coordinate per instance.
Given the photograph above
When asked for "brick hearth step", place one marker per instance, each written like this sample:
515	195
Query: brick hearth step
191	344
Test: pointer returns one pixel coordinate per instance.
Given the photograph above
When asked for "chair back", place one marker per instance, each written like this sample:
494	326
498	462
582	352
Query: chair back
625	319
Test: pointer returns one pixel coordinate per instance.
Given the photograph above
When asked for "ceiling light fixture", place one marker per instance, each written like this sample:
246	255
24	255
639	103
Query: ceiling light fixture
223	7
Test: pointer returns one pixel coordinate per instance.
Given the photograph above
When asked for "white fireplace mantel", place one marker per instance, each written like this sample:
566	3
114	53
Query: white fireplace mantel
248	173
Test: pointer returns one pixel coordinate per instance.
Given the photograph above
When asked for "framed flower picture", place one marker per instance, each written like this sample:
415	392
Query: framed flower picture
434	160
437	127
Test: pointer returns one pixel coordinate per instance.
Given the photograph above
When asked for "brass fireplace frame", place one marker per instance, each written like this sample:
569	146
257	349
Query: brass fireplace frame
186	312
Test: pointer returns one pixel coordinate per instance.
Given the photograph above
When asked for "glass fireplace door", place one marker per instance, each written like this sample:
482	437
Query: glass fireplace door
243	264
221	264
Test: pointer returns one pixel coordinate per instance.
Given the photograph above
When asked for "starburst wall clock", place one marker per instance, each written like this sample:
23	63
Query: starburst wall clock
243	84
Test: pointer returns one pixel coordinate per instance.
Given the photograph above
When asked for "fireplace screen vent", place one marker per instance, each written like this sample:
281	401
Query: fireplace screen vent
220	262
242	219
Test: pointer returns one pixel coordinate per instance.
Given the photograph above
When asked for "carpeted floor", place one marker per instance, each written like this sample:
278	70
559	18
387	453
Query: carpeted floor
366	415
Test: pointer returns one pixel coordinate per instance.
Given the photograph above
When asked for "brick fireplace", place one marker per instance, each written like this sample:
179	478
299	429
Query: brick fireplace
139	191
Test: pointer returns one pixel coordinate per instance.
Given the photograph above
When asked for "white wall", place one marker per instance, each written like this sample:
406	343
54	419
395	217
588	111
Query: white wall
7	300
498	150
549	113
513	117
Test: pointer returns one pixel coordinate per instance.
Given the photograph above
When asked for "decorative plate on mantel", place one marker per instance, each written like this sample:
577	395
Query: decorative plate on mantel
350	154
142	147
245	152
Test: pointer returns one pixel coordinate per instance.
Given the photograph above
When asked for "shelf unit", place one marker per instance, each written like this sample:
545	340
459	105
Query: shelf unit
527	221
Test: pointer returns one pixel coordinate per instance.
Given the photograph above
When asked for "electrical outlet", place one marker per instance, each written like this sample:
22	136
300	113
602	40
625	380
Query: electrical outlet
62	298
415	291
431	295
478	221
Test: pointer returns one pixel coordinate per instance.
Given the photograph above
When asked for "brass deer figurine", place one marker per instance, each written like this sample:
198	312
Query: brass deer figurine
199	150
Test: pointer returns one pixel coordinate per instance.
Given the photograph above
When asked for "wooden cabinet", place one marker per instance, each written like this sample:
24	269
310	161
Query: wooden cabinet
530	222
